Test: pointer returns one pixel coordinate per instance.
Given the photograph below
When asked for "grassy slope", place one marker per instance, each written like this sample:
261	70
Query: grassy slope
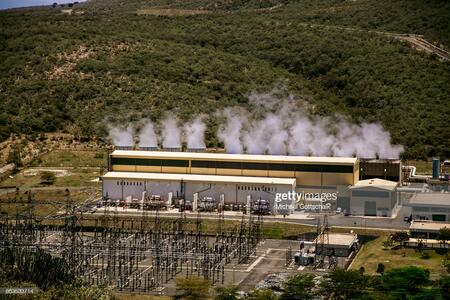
372	254
84	166
111	62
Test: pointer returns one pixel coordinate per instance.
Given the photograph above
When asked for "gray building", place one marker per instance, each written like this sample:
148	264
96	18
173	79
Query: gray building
372	197
133	186
426	229
430	206
339	244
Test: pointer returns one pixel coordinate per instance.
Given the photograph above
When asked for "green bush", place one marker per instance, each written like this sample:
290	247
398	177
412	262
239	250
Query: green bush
48	177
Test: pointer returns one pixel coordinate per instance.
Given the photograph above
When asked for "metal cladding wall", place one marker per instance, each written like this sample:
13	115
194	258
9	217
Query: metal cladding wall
384	169
320	172
372	202
234	193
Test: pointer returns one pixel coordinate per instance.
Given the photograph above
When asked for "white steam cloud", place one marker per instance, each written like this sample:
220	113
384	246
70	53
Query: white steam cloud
171	133
276	126
121	136
230	133
285	128
194	132
147	136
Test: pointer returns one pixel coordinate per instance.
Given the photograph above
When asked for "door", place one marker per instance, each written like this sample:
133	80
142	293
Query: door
344	204
440	218
370	208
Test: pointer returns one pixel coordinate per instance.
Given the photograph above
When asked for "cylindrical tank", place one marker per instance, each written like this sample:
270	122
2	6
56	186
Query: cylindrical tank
435	168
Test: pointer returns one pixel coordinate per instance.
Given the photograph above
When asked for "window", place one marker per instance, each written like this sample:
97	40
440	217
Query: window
149	162
175	163
299	167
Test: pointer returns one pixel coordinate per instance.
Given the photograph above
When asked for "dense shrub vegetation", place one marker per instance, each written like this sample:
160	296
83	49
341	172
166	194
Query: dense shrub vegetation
49	275
72	72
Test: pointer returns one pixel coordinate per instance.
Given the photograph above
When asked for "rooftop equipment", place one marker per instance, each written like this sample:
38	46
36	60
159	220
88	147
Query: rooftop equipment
122	147
148	148
172	149
196	149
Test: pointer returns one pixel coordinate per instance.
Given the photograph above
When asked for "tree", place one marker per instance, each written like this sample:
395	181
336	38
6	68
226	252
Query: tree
37	267
192	288
400	237
226	293
300	286
428	294
262	294
48	177
446	264
341	284
380	269
444	286
14	156
405	280
444	235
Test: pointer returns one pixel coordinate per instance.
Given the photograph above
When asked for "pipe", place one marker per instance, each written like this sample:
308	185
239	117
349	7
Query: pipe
412	173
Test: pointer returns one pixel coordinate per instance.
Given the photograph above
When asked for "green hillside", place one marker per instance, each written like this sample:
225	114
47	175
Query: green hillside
125	60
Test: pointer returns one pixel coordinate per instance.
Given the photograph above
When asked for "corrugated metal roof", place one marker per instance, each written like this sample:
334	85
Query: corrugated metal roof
377	183
198	178
340	239
431	226
425	199
241	157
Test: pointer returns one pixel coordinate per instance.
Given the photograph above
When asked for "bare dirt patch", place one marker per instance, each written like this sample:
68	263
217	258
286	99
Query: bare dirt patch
36	171
170	12
70	61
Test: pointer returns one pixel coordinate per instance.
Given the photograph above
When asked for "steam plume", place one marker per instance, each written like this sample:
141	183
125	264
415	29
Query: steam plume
230	132
147	136
284	126
195	133
171	133
276	125
121	136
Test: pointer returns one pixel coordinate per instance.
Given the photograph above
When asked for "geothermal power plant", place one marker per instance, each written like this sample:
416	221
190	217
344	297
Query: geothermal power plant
202	181
329	164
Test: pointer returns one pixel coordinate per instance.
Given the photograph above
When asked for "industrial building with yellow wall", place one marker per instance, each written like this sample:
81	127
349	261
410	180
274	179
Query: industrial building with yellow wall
232	177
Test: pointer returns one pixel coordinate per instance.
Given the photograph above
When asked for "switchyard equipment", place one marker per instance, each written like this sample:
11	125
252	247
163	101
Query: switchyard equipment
140	254
208	204
322	248
261	207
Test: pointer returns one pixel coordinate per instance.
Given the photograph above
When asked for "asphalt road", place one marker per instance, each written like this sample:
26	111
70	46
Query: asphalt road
396	223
